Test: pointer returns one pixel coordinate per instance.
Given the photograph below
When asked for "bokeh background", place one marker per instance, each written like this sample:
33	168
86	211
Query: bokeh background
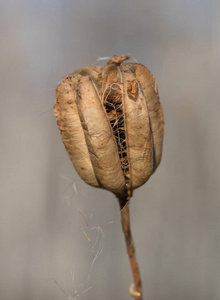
62	239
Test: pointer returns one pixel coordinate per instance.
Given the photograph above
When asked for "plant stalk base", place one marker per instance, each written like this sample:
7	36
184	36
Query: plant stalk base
136	288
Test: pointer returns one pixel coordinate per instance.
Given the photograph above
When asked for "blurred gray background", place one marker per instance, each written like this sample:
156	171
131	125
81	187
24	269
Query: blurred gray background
62	239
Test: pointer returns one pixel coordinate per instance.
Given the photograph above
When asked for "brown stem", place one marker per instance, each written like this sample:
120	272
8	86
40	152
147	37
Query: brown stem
125	221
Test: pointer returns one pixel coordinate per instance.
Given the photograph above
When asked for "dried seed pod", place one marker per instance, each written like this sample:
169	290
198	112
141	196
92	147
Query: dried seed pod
112	124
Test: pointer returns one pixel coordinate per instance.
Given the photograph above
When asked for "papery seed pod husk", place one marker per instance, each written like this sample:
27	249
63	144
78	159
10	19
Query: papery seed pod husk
112	124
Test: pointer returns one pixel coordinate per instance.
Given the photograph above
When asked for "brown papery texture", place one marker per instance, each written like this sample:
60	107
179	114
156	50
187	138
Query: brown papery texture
112	124
68	121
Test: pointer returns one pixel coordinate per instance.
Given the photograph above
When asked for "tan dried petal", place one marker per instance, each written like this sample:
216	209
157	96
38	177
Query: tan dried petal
68	121
149	85
138	132
100	141
132	89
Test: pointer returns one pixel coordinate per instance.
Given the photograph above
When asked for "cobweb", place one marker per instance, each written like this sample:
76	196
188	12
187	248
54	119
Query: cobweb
92	233
103	59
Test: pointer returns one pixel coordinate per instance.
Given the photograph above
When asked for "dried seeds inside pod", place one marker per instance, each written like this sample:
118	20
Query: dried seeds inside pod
112	126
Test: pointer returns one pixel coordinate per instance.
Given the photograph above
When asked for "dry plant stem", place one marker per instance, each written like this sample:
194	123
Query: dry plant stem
125	221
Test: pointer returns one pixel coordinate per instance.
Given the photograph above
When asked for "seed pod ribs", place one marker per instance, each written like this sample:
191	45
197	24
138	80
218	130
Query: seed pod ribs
112	124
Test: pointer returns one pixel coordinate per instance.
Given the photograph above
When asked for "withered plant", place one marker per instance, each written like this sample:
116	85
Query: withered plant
112	126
